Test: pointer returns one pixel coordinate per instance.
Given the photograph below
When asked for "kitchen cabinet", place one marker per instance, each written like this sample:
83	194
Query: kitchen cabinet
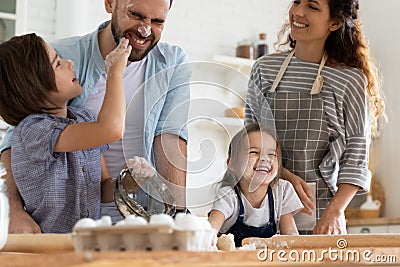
373	226
220	85
12	18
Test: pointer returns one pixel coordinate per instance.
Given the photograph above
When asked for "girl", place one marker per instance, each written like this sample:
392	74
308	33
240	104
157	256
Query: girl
55	149
252	200
324	95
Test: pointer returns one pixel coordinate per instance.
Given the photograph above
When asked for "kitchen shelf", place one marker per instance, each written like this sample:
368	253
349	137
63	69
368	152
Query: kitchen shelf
373	225
229	125
243	65
221	121
229	121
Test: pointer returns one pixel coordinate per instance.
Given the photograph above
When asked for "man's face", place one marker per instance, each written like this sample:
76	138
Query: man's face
141	22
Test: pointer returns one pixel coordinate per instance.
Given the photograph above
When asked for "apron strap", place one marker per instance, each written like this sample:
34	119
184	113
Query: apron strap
282	70
318	83
271	205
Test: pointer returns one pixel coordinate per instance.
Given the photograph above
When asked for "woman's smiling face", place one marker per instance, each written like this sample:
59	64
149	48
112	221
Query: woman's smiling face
310	20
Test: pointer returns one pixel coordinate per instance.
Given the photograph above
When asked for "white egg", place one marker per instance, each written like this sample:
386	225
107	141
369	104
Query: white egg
85	223
188	222
162	219
135	220
120	223
206	225
104	221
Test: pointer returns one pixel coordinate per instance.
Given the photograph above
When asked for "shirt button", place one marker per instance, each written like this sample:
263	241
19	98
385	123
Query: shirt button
55	124
83	169
90	86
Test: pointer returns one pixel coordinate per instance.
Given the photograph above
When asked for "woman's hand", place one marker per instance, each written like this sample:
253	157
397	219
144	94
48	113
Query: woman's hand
332	222
302	190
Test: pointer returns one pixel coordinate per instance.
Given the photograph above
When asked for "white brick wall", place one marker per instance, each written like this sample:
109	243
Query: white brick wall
201	27
205	27
41	18
54	19
78	17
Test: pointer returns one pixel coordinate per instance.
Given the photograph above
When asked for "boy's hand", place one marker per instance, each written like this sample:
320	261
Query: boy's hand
140	168
117	59
22	223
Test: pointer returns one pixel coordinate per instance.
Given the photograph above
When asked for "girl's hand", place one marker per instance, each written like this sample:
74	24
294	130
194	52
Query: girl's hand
302	190
117	59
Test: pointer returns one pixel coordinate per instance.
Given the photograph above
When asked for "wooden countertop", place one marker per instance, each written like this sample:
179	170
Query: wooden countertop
373	221
182	258
122	259
57	250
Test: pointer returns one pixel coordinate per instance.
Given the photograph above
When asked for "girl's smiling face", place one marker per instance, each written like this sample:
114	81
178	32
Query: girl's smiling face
262	163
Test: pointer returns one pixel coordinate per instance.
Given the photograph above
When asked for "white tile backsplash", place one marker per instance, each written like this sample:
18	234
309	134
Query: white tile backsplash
206	27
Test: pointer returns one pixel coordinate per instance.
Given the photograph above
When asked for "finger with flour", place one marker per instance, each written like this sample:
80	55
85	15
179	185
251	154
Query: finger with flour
117	59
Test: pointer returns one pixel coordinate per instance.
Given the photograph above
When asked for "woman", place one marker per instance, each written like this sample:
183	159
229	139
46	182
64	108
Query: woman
324	96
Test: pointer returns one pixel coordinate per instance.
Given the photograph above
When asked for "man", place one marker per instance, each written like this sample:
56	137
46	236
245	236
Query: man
156	80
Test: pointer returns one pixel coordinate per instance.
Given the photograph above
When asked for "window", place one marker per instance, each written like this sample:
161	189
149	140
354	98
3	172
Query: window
12	18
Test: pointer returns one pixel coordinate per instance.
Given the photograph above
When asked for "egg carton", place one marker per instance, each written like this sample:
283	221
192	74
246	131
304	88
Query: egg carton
142	237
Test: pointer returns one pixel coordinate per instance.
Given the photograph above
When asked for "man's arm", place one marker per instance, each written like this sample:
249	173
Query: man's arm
20	221
170	154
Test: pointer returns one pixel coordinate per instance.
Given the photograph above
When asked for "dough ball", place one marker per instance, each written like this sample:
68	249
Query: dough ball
226	242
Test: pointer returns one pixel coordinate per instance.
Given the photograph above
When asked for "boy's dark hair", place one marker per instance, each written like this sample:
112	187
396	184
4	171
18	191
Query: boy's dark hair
26	78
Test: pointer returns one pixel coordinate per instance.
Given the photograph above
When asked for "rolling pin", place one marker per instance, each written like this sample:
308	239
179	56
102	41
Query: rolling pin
38	243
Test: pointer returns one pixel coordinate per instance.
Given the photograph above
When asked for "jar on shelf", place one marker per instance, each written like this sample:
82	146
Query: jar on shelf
262	46
4	208
245	49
